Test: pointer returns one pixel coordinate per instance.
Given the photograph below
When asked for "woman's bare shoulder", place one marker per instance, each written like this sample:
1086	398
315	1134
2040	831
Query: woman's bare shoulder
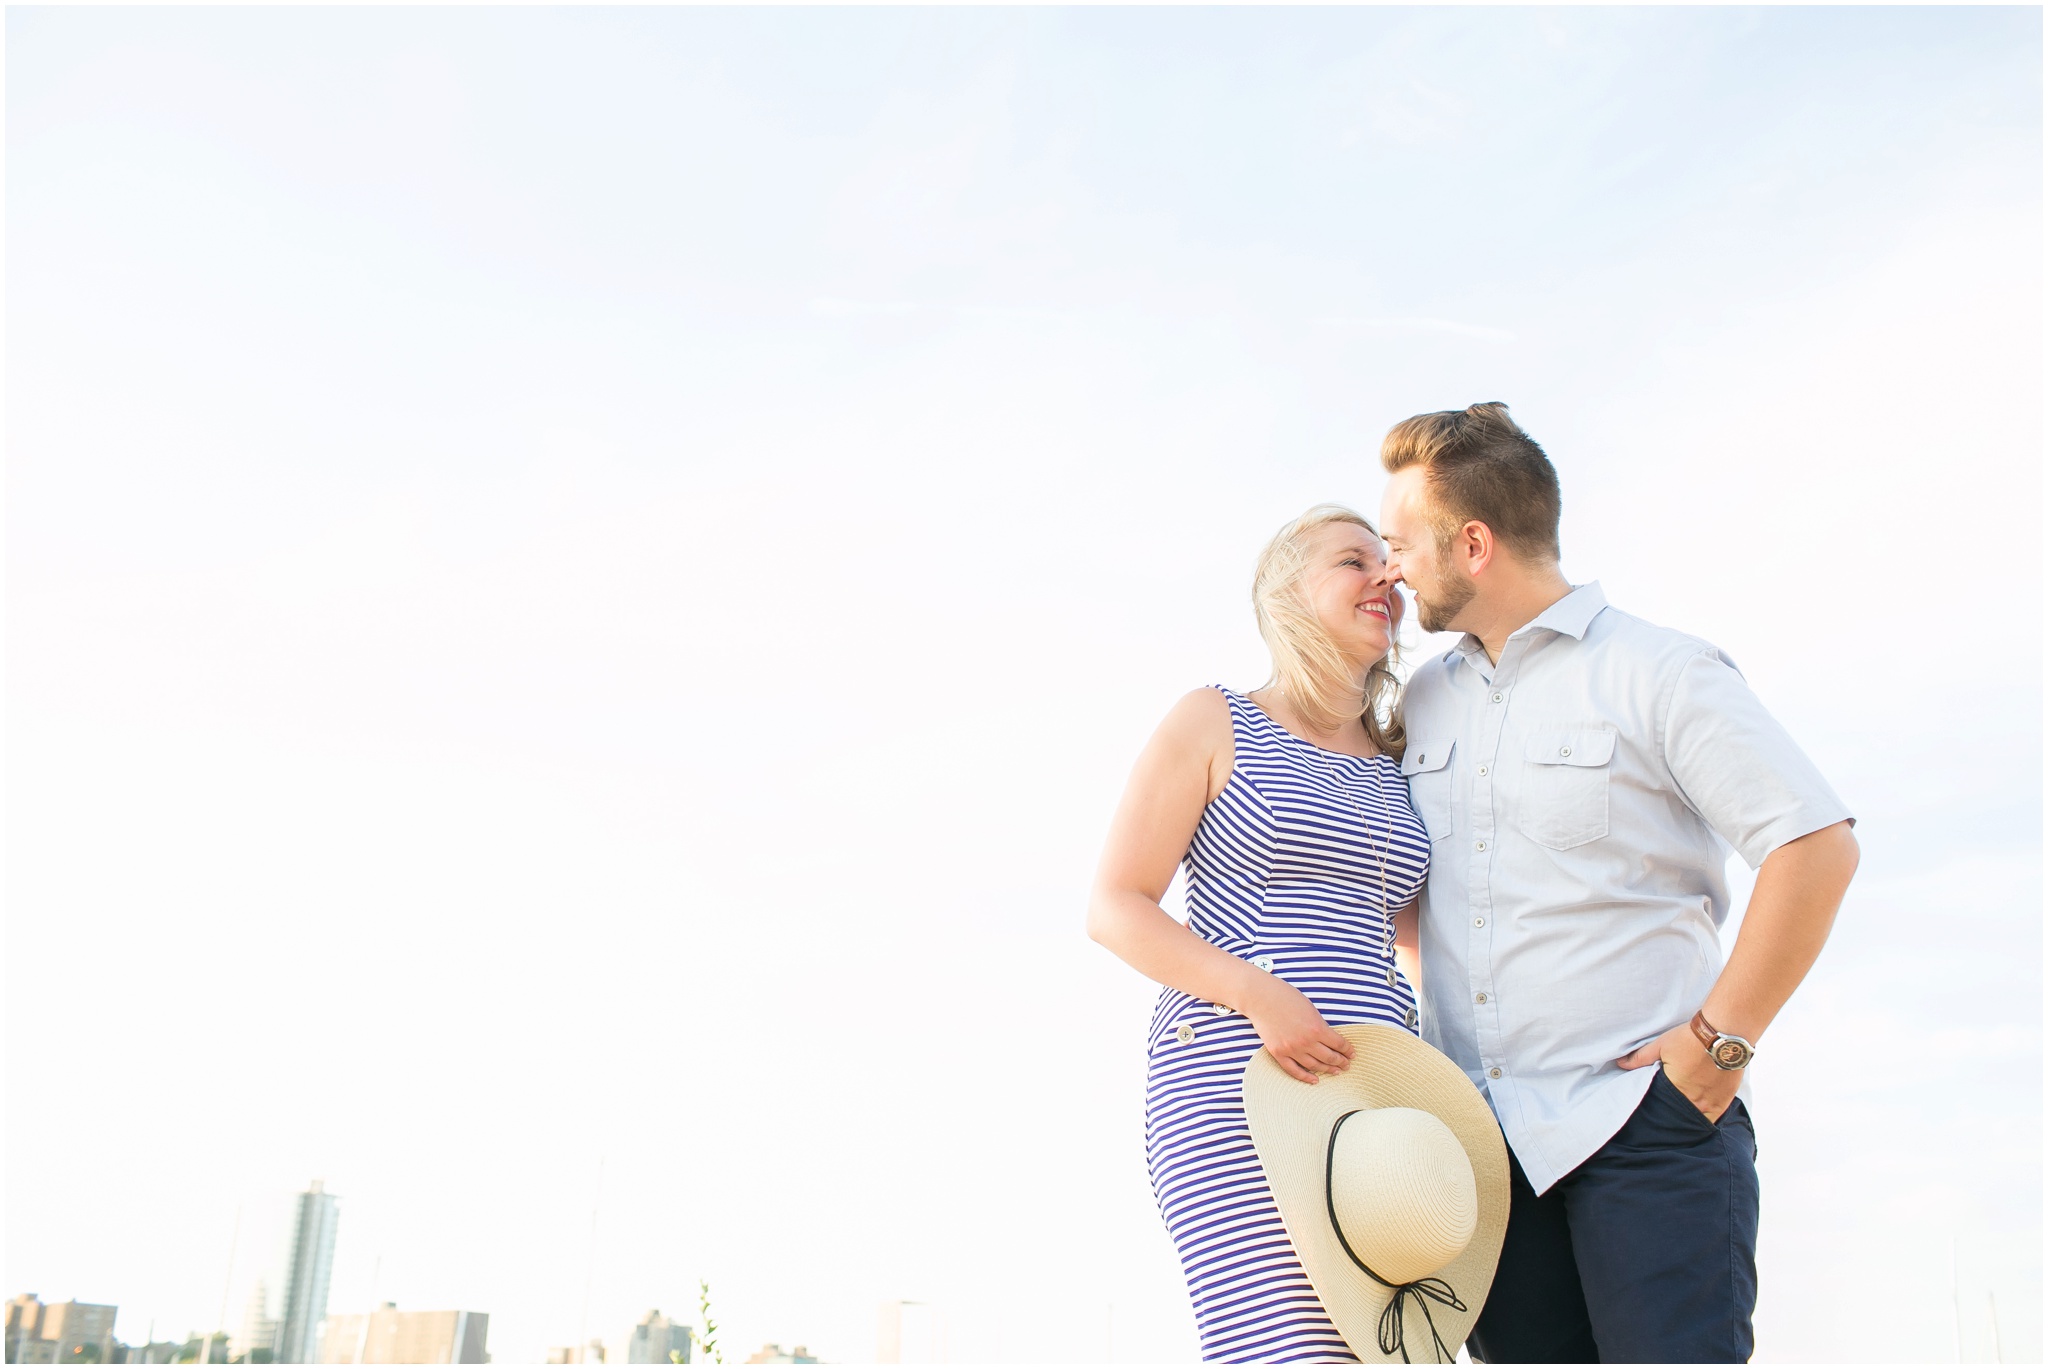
1198	727
1199	712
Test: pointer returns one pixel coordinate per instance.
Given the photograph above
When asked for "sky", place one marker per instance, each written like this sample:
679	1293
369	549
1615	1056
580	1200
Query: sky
581	585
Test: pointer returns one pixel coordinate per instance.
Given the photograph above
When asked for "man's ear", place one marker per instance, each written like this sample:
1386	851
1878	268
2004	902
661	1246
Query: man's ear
1476	547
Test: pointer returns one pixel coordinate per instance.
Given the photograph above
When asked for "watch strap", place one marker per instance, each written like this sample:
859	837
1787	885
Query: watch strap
1704	1030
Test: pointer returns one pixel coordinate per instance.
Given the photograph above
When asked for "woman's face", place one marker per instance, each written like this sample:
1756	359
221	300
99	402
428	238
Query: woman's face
1348	586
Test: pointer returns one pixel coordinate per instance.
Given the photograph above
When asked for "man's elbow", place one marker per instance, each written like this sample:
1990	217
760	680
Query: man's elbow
1847	851
1830	854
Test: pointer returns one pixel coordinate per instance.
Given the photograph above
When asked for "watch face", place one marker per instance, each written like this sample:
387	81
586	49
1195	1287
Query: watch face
1730	1055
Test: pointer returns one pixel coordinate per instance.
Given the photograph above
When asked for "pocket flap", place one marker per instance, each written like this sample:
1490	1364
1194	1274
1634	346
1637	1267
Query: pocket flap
1425	756
1586	746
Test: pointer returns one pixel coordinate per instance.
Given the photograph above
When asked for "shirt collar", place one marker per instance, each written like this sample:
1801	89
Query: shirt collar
1571	616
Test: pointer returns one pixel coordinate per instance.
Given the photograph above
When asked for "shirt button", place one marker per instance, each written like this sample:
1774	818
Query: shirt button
1186	1034
1479	998
1496	696
1564	751
1482	772
1219	1009
1392	981
1493	1073
1479	845
1412	1019
1478	922
1262	962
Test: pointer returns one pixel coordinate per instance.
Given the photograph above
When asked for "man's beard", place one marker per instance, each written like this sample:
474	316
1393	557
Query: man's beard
1448	596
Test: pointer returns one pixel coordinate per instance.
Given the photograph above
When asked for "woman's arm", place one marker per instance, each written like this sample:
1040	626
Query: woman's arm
1182	769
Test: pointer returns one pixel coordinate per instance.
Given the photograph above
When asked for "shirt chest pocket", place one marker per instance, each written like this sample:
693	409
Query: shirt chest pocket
1564	786
1426	766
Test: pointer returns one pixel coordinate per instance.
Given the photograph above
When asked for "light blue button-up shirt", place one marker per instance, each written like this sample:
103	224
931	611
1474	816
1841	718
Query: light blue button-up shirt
1578	794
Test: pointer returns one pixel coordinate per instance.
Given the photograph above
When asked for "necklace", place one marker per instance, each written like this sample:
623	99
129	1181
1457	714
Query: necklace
1378	850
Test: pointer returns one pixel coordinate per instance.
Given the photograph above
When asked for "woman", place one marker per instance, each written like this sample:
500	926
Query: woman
1304	860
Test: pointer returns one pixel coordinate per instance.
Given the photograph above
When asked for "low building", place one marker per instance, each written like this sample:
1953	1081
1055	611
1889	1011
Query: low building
389	1336
211	1349
25	1330
59	1332
659	1340
772	1353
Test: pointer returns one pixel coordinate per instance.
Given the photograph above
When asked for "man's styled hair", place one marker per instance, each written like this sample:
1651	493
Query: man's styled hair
1481	467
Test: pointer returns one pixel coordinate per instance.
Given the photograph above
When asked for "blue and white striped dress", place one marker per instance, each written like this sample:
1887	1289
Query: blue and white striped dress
1283	872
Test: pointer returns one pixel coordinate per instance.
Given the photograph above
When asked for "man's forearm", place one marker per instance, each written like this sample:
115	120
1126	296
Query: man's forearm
1797	893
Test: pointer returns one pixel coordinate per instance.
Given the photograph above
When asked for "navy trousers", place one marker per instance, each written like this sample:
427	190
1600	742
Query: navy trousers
1646	1253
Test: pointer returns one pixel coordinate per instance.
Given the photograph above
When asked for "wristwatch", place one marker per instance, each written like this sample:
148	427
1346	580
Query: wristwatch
1727	1052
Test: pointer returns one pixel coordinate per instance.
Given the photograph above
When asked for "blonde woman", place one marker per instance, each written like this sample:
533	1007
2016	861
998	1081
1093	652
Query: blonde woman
1304	860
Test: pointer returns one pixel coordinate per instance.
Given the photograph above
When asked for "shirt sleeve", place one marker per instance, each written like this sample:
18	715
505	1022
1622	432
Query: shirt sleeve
1737	767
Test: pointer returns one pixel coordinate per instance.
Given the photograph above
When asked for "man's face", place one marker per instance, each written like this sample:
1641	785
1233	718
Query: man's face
1441	590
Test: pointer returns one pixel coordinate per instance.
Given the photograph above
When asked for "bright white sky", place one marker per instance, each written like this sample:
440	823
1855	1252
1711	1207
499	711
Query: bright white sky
581	585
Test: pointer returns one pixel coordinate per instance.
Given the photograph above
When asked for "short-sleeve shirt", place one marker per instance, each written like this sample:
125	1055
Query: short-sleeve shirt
1578	794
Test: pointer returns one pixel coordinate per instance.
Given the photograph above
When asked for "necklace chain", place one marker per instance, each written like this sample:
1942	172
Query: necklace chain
1378	849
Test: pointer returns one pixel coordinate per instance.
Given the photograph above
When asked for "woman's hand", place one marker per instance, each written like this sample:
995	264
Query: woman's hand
1294	1033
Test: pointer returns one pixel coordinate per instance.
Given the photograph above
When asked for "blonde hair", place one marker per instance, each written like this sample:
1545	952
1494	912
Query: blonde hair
1308	667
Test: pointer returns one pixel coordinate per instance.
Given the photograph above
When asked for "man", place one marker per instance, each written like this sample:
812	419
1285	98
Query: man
1578	770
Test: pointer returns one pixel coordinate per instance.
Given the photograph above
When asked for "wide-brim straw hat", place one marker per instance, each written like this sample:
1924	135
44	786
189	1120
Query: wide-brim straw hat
1399	1158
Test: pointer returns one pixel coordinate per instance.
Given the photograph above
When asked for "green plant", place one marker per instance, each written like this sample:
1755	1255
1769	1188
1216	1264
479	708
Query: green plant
709	1340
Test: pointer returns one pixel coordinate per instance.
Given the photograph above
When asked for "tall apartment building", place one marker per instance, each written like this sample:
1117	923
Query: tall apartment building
389	1336
651	1341
312	1266
259	1328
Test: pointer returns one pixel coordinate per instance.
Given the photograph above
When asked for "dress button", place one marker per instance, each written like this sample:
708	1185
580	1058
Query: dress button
1392	980
1479	998
1220	1009
1493	1073
1411	1019
1186	1034
1263	962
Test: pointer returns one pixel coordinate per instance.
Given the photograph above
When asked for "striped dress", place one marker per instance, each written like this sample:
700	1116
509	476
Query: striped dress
1283	872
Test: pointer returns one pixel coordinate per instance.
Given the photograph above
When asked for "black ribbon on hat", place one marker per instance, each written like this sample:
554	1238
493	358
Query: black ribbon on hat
1392	1339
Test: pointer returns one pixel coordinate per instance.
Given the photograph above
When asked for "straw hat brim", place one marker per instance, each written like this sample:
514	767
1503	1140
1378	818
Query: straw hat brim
1290	1126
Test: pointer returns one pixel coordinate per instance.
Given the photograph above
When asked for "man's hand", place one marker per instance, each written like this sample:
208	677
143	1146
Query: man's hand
1690	1069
